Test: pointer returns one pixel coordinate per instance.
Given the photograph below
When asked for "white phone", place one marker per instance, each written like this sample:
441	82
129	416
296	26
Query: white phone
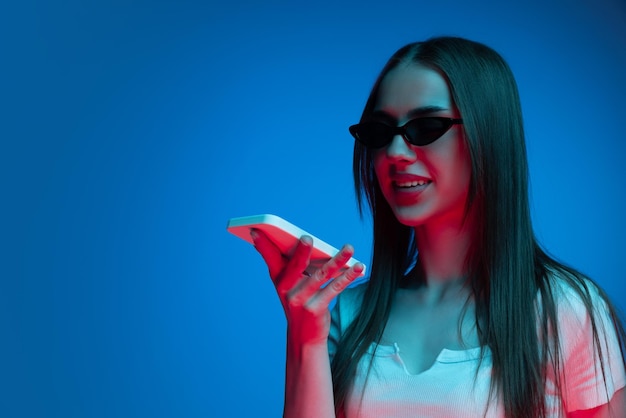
285	236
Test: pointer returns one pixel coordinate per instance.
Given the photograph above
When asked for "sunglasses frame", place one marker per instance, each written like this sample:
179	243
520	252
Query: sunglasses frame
402	130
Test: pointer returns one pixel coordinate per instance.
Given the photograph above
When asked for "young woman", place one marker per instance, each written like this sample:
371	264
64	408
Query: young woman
464	315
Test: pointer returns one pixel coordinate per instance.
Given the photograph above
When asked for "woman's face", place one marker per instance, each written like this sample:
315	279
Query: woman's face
422	184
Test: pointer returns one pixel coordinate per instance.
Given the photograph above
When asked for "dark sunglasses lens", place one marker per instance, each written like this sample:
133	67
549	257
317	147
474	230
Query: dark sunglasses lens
372	134
425	131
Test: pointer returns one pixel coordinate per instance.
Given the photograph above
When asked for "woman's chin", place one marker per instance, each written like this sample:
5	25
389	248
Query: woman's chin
412	216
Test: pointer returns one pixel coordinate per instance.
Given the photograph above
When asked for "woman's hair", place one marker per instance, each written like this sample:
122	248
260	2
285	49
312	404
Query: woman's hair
506	268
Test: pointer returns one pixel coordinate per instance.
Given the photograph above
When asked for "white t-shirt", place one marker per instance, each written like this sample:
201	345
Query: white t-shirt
452	386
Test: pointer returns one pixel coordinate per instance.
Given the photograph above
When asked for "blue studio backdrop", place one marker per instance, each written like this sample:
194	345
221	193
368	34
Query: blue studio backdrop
131	131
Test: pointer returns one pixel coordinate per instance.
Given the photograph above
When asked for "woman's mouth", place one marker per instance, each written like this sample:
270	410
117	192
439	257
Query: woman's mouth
410	184
409	192
413	185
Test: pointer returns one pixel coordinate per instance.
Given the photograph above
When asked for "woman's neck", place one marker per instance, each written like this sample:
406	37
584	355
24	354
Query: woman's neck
443	248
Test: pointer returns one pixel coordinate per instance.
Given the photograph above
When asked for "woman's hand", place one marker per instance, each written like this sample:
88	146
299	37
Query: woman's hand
304	300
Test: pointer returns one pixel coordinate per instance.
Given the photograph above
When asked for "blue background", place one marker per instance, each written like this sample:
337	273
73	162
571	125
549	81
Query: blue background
132	130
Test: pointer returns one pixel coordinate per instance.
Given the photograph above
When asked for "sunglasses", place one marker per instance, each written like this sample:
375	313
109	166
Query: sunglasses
419	131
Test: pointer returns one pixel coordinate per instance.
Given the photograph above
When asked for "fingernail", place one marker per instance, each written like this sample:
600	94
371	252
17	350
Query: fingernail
307	240
253	234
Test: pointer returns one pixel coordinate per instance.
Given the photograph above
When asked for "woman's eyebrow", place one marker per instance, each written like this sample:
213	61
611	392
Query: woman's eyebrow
425	110
420	111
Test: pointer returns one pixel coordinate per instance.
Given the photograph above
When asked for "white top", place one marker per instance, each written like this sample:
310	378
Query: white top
452	388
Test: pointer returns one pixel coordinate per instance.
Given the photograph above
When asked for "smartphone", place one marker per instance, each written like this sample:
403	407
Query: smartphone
285	236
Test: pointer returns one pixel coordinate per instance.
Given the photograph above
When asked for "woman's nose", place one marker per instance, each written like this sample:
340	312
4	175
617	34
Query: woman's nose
400	149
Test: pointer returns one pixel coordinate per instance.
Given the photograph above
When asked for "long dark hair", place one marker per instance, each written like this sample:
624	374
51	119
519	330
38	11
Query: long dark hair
506	268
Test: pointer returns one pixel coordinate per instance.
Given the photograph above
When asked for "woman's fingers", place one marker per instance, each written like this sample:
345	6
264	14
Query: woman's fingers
315	299
284	271
338	284
330	269
292	273
309	290
293	286
327	271
270	252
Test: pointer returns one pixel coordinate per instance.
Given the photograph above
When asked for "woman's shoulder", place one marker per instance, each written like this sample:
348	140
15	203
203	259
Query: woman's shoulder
589	347
578	303
574	294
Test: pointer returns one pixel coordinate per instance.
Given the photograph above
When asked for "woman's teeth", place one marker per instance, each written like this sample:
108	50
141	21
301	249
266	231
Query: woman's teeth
407	184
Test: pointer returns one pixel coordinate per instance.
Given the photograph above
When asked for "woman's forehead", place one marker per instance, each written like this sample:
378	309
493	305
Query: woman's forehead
412	86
